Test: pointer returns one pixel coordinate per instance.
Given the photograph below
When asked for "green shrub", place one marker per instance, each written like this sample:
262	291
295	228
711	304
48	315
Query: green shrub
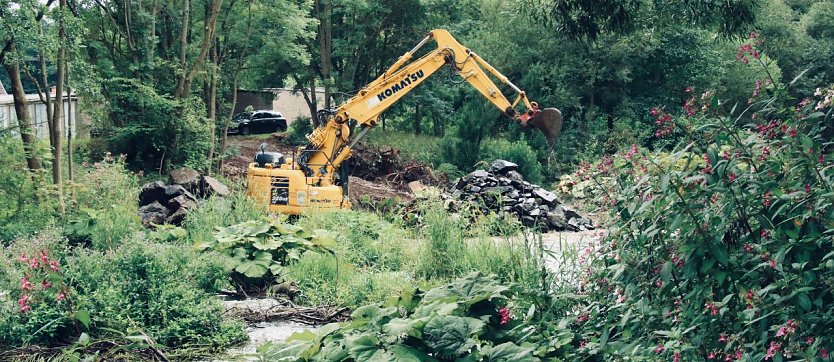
152	128
299	129
262	248
165	291
99	214
27	202
518	152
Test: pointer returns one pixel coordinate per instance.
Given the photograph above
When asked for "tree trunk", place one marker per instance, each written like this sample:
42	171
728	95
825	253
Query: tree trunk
417	118
208	36
325	9
57	121
212	107
69	126
186	14
27	134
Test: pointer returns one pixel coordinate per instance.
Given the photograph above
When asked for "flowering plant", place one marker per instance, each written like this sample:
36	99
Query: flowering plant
725	252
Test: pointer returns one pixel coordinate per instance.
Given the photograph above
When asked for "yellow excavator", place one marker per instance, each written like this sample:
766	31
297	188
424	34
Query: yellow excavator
312	179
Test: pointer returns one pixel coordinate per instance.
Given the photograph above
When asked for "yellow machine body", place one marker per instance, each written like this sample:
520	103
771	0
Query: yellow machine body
311	180
287	191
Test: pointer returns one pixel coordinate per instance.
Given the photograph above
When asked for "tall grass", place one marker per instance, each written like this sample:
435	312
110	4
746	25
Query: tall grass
375	259
220	212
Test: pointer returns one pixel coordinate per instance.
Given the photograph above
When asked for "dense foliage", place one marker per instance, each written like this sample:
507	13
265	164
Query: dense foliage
722	248
468	319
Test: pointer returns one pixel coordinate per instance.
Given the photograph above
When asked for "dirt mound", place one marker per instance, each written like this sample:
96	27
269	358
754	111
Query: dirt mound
383	164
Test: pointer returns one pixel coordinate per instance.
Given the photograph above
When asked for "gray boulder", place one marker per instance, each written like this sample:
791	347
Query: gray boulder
211	186
502	167
152	191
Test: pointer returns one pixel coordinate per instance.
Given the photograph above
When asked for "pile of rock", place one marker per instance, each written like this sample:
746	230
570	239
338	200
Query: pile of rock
502	189
168	204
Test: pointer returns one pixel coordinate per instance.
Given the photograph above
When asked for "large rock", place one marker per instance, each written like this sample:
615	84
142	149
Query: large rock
154	207
502	167
186	177
173	191
152	191
477	174
150	220
177	217
153	214
211	186
181	202
546	196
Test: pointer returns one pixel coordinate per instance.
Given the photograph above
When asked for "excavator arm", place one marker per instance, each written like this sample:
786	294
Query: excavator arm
331	144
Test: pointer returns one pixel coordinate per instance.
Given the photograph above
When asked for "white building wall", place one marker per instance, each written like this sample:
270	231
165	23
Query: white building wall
37	110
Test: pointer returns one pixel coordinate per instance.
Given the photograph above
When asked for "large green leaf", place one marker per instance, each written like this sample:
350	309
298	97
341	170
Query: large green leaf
509	352
452	336
362	348
469	290
257	267
268	243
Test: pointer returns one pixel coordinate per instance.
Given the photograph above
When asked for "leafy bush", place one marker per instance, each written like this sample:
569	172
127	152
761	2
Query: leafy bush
262	248
299	129
19	215
725	255
468	319
165	291
150	128
99	214
518	152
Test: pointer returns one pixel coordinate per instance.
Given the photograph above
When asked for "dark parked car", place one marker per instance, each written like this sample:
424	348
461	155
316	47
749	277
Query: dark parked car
257	122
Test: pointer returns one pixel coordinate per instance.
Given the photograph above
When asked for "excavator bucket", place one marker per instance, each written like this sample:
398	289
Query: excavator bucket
549	121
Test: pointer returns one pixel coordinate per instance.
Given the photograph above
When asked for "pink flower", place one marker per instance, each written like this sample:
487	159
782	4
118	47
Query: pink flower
711	355
659	348
676	357
772	350
807	188
44	257
752	36
732	176
824	353
33	263
792	132
739	354
45	284
748	248
772	263
687	90
61	297
23	258
25	284
54	266
582	318
658	283
24	309
809	340
504	313
722	338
